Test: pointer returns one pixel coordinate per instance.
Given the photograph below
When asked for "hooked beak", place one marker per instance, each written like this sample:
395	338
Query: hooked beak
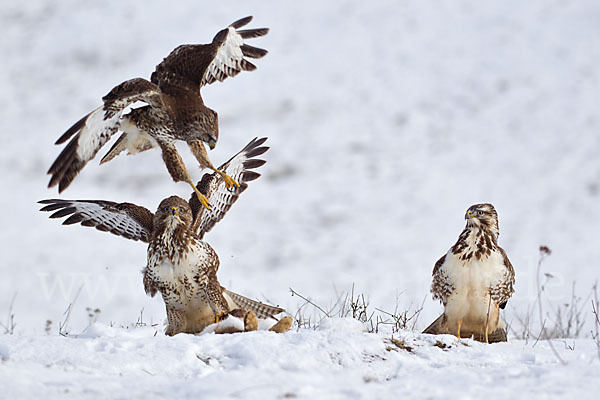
174	211
212	143
468	214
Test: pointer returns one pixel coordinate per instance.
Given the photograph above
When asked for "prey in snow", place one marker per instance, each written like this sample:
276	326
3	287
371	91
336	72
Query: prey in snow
474	280
180	265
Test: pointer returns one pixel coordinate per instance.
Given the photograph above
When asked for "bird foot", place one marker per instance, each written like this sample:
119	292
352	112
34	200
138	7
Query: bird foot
283	325
201	197
249	318
229	181
250	322
172	331
458	330
220	316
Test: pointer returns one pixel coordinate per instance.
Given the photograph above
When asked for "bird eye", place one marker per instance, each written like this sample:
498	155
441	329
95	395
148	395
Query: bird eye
167	209
182	209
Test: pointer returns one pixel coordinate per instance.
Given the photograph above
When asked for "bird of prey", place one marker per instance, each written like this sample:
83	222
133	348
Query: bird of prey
474	280
173	110
180	265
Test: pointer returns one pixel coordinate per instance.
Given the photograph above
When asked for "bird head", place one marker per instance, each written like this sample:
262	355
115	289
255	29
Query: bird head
483	216
212	143
173	212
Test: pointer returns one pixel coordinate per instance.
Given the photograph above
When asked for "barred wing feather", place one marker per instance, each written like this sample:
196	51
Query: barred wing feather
123	219
239	167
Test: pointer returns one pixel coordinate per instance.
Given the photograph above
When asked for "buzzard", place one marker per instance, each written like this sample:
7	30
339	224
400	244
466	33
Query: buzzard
180	265
474	280
173	109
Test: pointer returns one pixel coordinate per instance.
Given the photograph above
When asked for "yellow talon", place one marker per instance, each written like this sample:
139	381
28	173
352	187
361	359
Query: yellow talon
459	325
486	336
205	202
219	316
229	181
201	197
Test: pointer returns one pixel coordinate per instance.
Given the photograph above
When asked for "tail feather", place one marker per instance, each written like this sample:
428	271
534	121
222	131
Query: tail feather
261	310
132	141
435	327
499	335
117	148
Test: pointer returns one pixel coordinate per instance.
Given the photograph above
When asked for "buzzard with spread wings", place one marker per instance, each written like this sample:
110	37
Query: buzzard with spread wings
180	265
173	110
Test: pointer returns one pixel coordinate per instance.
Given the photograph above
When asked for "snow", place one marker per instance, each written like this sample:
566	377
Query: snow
337	361
386	121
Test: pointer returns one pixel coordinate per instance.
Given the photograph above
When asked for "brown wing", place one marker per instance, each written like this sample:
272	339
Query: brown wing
438	264
95	129
123	219
203	64
505	289
441	287
219	196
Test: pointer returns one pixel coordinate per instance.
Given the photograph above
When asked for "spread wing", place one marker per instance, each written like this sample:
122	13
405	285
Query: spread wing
504	289
123	219
203	64
213	187
95	129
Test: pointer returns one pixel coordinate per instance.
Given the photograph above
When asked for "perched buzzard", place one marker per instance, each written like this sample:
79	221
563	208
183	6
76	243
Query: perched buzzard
474	280
173	109
181	266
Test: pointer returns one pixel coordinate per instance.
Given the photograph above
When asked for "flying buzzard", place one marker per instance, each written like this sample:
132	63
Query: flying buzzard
173	109
181	266
474	280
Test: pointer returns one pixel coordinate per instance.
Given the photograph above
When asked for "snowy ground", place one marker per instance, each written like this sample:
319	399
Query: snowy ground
386	120
337	361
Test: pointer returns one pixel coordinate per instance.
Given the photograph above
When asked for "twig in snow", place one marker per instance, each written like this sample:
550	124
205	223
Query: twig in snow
64	324
487	317
595	307
9	328
308	301
140	320
544	252
356	306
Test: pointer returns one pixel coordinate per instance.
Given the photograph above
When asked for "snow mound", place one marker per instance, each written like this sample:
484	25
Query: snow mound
337	360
